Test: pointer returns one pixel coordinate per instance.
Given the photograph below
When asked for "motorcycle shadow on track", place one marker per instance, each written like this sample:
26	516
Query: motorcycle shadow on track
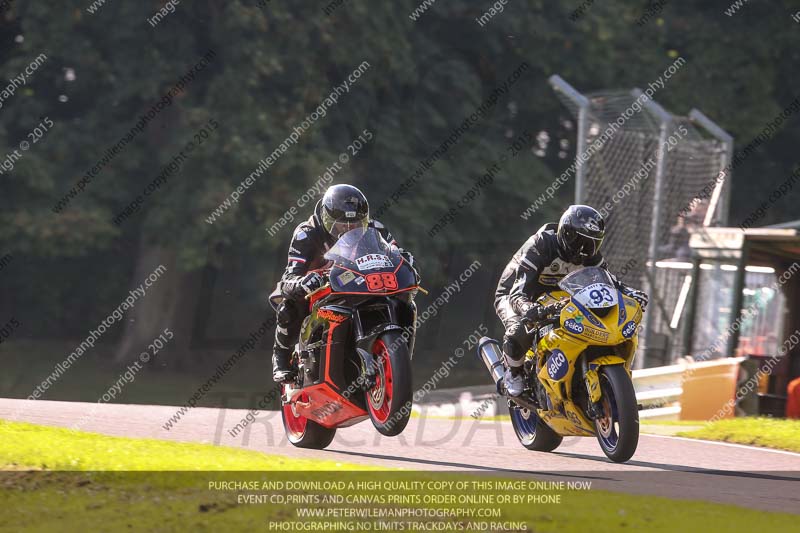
468	466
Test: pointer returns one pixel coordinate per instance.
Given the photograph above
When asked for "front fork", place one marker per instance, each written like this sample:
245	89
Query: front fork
369	375
592	382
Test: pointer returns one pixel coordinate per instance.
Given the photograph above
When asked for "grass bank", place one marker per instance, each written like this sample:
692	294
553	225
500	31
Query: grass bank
61	480
778	433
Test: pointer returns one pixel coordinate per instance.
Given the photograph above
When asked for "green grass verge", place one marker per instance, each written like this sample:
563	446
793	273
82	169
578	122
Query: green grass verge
676	423
48	448
778	433
109	502
83	500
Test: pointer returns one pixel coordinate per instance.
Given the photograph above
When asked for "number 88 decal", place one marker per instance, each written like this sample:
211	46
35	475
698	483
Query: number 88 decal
385	280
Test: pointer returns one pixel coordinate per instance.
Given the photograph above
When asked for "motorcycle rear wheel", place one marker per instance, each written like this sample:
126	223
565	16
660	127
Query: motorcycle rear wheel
305	433
532	432
618	430
389	401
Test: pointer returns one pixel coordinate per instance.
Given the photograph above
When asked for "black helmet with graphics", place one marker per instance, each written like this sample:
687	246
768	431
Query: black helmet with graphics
580	233
343	208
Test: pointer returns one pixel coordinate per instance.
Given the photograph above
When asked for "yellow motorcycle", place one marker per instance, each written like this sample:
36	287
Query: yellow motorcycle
578	370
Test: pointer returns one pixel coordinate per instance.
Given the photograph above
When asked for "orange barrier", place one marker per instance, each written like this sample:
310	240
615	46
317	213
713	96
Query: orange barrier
708	388
793	399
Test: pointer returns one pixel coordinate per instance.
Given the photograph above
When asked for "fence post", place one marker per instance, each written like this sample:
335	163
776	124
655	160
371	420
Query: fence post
665	120
582	103
720	200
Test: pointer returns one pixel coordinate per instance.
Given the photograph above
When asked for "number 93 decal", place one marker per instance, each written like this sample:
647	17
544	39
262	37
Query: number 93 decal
602	295
597	295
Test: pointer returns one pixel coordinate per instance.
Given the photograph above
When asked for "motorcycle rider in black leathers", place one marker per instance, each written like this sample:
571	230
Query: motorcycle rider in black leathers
551	253
342	208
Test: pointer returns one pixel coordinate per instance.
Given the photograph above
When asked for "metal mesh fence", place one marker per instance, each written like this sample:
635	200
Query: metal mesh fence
645	228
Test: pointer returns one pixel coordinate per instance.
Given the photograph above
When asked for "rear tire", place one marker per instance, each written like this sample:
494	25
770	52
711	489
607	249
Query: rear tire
305	433
389	401
532	433
618	430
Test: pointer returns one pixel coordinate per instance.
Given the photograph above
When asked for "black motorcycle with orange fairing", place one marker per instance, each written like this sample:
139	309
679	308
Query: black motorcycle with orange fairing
353	359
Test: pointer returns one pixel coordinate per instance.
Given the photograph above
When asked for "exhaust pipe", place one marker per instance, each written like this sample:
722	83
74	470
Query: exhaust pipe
492	356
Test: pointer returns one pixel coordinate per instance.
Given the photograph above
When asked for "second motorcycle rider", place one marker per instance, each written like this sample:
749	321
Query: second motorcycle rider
550	254
342	208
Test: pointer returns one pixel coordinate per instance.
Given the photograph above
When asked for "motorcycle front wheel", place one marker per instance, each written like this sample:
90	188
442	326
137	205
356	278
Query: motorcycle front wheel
618	428
389	401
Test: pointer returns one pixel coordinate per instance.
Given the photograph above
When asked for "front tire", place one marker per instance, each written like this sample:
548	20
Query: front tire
532	432
389	401
618	429
305	433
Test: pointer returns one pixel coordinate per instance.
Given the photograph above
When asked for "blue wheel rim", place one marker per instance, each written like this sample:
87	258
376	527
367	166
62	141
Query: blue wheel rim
524	427
611	440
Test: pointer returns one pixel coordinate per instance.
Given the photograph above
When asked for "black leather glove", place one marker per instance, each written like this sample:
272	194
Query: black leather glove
538	312
639	296
405	254
553	309
311	282
412	263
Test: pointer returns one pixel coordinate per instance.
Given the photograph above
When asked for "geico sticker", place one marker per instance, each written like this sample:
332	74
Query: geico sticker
629	329
557	365
573	327
372	261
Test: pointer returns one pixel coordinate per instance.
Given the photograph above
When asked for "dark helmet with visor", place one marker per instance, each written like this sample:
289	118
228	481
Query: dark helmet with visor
580	233
343	208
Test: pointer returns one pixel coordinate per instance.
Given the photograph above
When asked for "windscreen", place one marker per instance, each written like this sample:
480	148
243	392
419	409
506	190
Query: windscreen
591	287
362	250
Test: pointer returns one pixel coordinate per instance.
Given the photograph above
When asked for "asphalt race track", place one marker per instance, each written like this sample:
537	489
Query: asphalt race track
665	466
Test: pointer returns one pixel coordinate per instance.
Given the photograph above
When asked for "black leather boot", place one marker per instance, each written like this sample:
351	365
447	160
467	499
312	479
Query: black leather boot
281	369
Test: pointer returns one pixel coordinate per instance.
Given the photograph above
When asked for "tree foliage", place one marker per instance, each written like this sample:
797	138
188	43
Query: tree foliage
275	63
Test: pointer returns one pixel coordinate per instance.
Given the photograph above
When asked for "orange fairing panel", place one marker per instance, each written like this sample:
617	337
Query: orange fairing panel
326	407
